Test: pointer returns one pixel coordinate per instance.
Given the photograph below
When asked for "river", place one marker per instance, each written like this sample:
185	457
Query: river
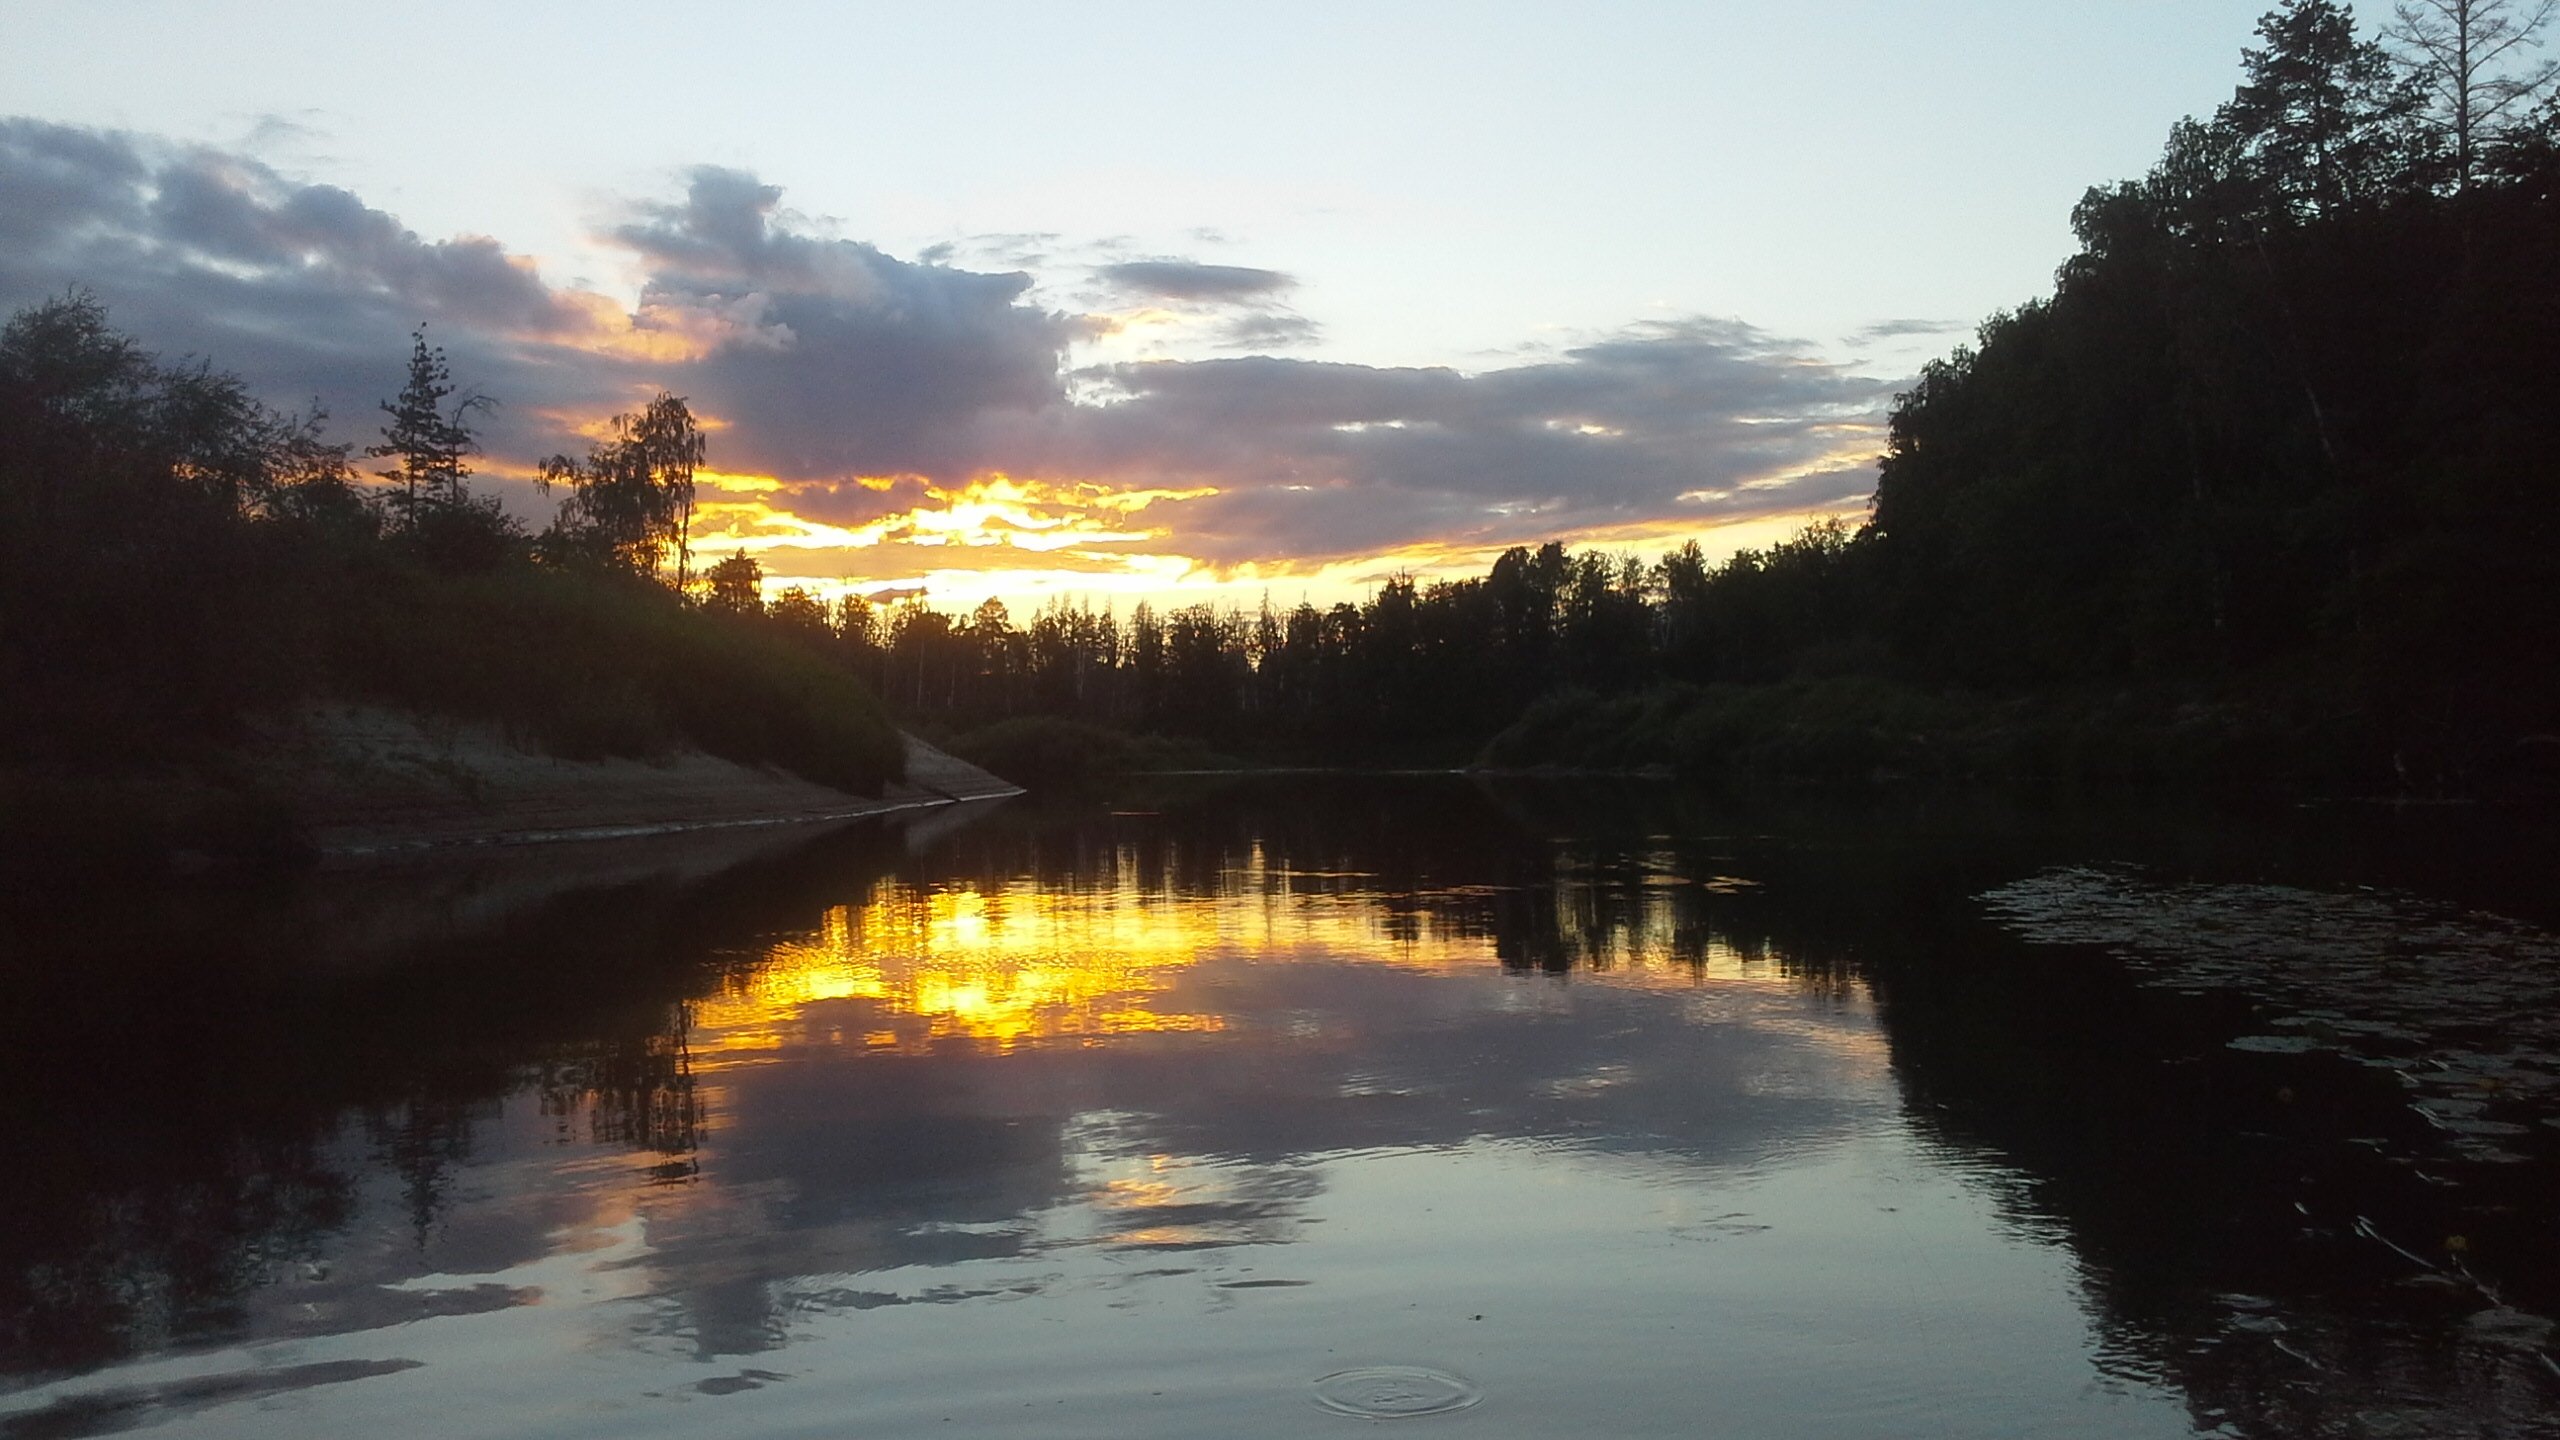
1291	1105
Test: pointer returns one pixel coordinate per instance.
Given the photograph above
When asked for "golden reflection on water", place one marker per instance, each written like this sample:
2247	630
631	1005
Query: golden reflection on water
996	965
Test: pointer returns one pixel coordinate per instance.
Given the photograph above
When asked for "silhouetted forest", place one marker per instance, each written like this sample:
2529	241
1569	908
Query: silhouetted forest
179	565
2262	489
2289	413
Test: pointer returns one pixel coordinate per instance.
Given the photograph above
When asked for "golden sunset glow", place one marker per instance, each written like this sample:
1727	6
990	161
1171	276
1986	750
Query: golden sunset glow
997	969
958	567
914	969
1031	540
1036	531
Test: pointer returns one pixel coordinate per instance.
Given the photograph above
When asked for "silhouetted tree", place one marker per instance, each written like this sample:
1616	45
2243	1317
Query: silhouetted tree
737	586
631	498
2469	58
434	515
797	613
924	663
2319	121
157	528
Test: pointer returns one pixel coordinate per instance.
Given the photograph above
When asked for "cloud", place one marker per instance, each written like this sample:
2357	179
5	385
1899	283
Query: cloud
301	289
1902	330
1227	307
828	364
828	356
1193	282
56	182
1269	331
1010	249
1693	421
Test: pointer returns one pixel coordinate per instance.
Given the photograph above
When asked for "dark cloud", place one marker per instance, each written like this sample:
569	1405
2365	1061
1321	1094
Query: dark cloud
301	289
1240	303
1191	282
829	356
1704	420
829	359
57	182
1273	331
1901	330
846	502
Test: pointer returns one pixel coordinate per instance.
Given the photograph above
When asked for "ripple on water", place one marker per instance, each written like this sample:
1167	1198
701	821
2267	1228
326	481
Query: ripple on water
1394	1392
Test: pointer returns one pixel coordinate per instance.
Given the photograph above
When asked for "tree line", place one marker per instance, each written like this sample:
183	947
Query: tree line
2277	450
2289	411
1420	669
180	564
2279	445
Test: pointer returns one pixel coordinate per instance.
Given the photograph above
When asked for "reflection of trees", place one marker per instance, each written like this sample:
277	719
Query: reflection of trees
1591	885
2110	1116
2210	1196
631	1091
422	1139
2107	1116
181	1105
135	1250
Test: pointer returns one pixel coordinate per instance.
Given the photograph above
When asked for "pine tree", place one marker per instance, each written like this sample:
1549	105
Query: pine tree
429	444
2317	113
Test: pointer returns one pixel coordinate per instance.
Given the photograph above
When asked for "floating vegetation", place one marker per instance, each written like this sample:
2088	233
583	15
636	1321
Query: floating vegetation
2464	1007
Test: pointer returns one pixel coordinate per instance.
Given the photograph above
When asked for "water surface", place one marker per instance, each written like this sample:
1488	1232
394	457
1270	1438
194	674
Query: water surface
1285	1108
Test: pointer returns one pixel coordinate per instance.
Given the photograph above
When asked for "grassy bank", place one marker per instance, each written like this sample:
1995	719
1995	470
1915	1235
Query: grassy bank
588	667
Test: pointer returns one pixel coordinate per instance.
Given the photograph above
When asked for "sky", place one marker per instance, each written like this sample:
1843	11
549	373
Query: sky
1111	300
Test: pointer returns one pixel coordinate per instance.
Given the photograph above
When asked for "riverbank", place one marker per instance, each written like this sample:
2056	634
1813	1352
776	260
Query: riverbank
351	783
363	781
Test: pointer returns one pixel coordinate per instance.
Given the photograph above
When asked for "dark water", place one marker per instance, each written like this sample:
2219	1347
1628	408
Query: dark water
1296	1106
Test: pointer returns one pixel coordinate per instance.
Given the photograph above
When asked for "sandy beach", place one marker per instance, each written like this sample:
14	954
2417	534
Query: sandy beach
368	782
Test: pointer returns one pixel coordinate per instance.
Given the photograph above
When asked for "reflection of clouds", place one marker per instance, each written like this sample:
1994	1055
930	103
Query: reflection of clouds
1137	1051
1160	1201
997	1070
1390	1038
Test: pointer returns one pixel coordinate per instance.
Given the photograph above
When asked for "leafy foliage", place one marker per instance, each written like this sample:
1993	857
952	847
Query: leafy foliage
175	559
631	499
152	520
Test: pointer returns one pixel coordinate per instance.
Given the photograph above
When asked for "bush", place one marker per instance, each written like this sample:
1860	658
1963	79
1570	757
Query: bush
1040	752
585	666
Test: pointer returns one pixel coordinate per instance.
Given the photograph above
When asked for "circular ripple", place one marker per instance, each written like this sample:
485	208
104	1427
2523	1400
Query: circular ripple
1394	1392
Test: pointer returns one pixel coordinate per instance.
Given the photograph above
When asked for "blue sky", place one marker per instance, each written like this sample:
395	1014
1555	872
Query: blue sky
1375	226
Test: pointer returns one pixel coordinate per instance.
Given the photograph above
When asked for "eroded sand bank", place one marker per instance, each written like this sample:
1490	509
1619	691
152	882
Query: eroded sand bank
365	782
